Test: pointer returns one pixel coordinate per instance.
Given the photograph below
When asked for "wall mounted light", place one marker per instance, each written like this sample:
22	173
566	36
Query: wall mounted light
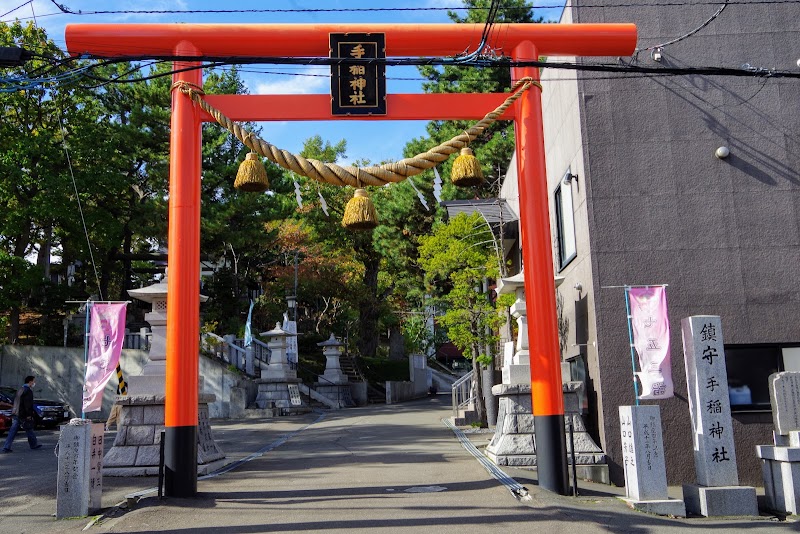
722	152
578	286
569	177
657	54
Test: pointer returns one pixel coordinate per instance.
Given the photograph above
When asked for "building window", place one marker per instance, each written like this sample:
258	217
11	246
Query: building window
565	222
749	367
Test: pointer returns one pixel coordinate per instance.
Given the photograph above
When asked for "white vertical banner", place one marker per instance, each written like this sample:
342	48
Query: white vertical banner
248	332
291	341
106	337
650	328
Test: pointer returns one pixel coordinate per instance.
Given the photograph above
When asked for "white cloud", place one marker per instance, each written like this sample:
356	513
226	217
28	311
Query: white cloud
305	81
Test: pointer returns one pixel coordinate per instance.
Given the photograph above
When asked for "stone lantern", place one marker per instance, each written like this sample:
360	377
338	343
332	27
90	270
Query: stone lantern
278	387
517	369
333	383
136	448
513	441
332	349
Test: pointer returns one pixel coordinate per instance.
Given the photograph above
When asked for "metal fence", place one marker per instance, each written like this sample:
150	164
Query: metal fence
137	340
463	393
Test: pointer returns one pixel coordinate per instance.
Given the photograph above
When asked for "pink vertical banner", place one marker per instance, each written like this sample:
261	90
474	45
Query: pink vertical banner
106	336
650	326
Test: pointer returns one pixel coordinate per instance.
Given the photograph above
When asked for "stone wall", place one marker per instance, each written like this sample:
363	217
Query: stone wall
59	373
59	376
402	391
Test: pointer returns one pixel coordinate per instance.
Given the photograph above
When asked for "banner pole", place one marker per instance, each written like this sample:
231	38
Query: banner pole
85	354
630	342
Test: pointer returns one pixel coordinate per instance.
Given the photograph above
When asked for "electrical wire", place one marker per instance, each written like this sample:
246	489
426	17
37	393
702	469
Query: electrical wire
21	83
685	36
78	198
16	8
67	11
745	70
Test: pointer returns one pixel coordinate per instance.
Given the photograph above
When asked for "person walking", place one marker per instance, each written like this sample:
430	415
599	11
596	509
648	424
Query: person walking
22	415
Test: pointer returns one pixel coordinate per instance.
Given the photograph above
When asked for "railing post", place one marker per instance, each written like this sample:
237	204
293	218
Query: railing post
249	363
230	352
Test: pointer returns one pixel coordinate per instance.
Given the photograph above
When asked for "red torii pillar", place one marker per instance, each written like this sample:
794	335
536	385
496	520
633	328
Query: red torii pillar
527	41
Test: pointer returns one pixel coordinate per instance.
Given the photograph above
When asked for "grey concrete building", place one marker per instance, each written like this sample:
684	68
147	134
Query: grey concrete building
639	196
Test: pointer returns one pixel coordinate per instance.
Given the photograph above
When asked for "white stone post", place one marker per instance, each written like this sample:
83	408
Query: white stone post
80	469
717	492
643	459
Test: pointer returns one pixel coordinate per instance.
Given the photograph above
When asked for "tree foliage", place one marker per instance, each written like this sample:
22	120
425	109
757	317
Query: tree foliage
459	261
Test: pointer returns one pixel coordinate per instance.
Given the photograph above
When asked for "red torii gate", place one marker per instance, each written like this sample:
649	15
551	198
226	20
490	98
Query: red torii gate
525	41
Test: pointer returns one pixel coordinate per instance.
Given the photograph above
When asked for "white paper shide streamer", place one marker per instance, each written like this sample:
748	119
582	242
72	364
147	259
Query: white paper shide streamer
419	195
297	194
437	186
323	203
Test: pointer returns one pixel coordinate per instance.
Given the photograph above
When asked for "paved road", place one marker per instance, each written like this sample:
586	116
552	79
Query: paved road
385	468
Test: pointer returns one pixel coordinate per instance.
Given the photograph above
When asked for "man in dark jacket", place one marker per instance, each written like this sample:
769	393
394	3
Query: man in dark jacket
22	415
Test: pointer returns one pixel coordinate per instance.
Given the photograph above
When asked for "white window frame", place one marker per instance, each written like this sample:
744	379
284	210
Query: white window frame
565	221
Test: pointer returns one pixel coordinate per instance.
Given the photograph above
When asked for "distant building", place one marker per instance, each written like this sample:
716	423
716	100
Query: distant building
640	194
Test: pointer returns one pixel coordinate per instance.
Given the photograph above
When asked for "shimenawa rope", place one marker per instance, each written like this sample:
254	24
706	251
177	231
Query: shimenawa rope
354	176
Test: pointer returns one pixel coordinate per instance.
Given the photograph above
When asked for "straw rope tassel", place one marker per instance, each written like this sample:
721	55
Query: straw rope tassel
360	212
466	171
252	176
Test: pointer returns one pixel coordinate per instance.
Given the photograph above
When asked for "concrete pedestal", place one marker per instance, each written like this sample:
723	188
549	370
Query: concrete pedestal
273	393
781	471
714	501
513	443
667	507
136	448
336	392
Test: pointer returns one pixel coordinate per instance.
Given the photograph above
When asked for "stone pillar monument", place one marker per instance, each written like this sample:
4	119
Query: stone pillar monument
780	463
513	443
136	448
277	387
717	492
333	383
643	461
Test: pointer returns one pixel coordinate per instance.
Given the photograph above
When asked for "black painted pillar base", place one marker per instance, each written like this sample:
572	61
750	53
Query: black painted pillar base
551	453
180	461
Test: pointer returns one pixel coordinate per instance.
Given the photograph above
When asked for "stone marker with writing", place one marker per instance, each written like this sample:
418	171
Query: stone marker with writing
80	469
710	409
784	395
643	459
780	463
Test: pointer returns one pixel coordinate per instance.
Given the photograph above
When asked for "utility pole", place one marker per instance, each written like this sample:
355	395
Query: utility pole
295	288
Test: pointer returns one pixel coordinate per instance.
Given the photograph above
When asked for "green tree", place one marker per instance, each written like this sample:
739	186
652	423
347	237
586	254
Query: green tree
496	145
458	261
34	174
367	296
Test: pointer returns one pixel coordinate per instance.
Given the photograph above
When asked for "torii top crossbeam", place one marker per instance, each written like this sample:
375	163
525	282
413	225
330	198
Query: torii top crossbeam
520	41
311	40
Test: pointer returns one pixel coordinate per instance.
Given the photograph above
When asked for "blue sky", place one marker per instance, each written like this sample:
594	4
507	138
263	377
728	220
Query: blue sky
375	141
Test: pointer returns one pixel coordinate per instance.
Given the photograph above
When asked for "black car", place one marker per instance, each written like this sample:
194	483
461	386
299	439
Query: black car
49	413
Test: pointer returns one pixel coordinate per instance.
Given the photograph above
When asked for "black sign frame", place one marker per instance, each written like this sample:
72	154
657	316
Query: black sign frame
358	86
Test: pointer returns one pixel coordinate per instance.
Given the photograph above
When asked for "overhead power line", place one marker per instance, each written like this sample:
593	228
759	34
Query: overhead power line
66	10
744	71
